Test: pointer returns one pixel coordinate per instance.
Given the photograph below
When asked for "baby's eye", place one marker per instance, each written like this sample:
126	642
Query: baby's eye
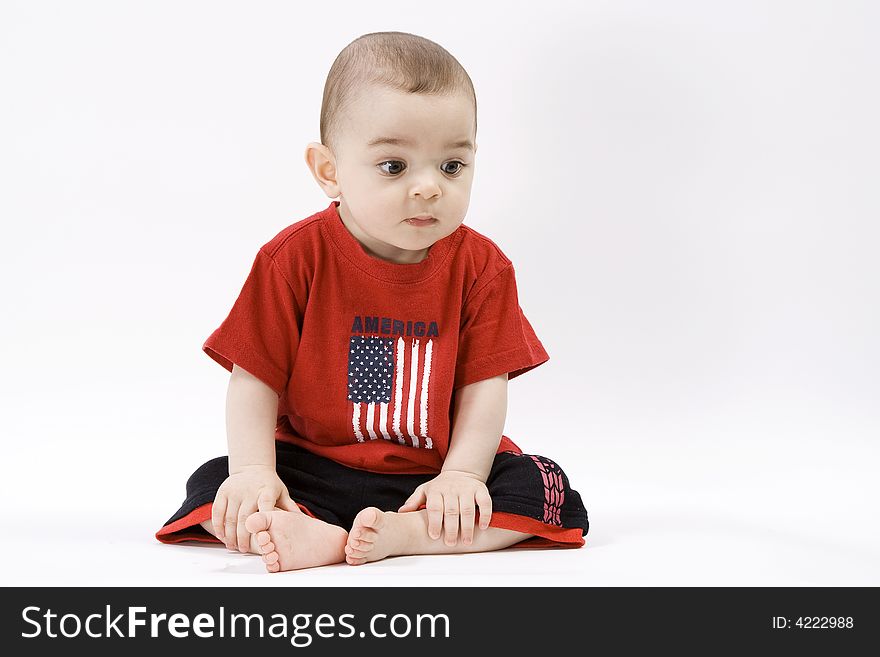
393	163
461	165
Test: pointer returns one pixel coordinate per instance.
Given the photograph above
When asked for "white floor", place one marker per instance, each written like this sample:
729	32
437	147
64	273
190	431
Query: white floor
690	511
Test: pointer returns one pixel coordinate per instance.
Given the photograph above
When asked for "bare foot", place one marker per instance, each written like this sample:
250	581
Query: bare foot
377	534
290	540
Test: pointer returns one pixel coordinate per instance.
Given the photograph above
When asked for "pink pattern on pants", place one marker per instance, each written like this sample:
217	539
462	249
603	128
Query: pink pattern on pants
554	492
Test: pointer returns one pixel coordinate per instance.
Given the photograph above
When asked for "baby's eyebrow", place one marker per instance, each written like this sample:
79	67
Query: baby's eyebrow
400	141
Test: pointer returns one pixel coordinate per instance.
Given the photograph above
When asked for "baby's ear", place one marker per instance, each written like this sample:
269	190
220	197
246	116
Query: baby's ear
322	166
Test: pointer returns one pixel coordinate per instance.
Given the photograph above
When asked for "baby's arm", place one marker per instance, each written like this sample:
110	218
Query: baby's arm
253	483
477	424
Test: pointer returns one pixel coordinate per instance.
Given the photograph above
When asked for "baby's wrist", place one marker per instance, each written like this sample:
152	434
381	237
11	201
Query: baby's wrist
239	468
465	473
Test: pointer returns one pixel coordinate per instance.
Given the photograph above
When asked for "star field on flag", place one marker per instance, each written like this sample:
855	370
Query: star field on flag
370	369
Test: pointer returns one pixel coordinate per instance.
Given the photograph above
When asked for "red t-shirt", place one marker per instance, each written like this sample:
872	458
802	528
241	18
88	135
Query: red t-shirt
366	354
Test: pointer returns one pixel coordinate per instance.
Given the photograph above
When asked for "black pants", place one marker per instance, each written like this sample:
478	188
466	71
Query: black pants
529	494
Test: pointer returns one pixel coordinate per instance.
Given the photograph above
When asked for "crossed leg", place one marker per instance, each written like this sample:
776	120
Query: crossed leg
290	540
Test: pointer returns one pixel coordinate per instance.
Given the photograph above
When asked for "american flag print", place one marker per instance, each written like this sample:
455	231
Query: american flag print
388	384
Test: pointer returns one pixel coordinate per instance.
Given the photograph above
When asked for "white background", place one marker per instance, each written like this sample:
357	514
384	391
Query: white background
688	191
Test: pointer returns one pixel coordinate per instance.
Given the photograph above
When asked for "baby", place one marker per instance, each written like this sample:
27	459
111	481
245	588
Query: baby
371	345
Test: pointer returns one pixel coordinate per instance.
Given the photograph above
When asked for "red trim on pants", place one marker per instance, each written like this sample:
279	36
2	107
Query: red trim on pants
543	535
177	532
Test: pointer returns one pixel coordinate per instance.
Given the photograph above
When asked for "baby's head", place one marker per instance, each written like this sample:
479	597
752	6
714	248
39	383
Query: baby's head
398	133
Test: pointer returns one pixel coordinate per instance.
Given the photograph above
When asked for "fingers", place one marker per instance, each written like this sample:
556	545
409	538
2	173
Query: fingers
240	496
460	511
218	513
414	501
467	514
450	518
244	536
266	501
454	510
230	524
435	508
286	502
484	501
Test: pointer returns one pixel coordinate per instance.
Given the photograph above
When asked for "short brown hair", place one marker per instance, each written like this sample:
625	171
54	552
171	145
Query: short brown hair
398	60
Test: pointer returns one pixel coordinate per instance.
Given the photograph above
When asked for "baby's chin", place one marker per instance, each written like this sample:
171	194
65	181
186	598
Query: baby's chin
418	244
406	251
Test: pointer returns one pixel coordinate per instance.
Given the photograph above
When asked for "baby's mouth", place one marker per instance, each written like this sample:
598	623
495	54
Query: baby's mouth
421	221
422	218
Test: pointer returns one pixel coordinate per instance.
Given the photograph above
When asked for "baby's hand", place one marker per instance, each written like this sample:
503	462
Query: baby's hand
256	488
450	498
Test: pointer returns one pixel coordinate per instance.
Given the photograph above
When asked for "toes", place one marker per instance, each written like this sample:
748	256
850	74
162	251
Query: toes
371	518
273	567
363	534
258	522
360	544
361	551
270	558
366	525
267	548
263	538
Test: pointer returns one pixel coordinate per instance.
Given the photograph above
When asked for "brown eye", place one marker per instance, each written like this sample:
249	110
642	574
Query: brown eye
394	164
461	165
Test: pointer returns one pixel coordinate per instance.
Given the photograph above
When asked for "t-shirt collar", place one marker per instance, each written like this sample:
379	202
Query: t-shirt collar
352	250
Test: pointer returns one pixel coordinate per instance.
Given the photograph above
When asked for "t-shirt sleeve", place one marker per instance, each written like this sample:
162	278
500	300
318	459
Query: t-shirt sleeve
261	333
495	336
